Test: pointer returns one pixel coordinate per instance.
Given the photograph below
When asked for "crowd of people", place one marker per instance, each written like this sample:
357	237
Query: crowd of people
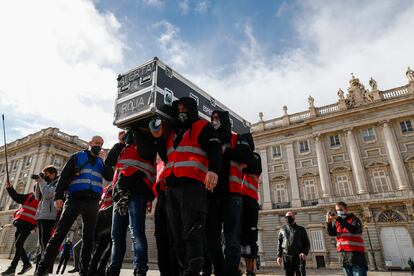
205	178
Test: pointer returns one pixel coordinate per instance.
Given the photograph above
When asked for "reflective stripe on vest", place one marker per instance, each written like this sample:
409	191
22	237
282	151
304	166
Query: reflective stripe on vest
251	185
187	159
346	241
89	178
27	212
235	177
130	162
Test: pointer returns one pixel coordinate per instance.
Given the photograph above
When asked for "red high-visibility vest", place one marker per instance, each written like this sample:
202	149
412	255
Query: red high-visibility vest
346	241
188	159
251	185
129	162
236	176
106	198
27	211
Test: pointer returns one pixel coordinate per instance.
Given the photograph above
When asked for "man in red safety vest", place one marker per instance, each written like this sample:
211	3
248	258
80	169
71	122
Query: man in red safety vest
24	220
225	202
192	154
250	210
348	231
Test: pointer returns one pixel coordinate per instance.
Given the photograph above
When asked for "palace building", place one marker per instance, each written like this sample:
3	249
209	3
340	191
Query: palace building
360	150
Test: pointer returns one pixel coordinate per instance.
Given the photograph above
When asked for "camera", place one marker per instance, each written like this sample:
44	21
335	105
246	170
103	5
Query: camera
332	213
37	176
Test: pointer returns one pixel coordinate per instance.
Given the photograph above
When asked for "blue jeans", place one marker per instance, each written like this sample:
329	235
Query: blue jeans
136	220
354	270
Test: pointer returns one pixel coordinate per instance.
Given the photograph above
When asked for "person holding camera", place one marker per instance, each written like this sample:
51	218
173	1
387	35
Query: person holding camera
24	219
82	178
46	214
348	231
293	247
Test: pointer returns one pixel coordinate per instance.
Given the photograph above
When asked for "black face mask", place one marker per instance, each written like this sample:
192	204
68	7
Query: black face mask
129	138
47	179
289	220
96	150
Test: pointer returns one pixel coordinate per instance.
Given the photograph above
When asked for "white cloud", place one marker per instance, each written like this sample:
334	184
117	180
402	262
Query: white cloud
335	40
54	53
156	3
177	53
199	7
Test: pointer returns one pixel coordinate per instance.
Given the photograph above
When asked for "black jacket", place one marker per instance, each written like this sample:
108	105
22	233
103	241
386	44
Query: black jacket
147	150
68	173
20	198
207	139
241	154
355	227
293	240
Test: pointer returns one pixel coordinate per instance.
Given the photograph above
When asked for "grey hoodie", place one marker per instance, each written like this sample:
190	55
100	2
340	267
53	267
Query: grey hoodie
46	192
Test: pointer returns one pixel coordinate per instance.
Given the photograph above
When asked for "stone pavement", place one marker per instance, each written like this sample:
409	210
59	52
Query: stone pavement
311	272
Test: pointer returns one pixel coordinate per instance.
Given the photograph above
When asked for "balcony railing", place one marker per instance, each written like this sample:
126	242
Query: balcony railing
282	205
311	202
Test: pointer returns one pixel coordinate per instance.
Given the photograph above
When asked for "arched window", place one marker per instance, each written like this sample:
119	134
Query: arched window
390	216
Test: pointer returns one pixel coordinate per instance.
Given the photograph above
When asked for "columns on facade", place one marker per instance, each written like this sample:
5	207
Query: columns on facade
15	182
323	168
397	164
356	162
293	177
267	203
29	181
2	189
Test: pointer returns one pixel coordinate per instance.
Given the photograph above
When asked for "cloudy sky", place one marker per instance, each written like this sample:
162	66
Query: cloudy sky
59	59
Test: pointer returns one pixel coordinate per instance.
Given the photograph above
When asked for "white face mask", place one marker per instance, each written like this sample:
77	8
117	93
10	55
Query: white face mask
341	213
216	124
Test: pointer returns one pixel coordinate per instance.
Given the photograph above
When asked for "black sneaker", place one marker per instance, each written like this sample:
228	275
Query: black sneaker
25	268
73	270
8	272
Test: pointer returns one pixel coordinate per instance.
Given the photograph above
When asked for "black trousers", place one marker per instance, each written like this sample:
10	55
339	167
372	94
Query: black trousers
63	260
294	265
44	228
167	261
103	243
249	235
101	255
73	207
20	238
186	209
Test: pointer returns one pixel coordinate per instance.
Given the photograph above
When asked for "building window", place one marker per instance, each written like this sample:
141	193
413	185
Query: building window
280	193
304	146
369	135
310	190
15	165
317	244
380	180
277	151
406	126
344	187
335	142
58	162
29	160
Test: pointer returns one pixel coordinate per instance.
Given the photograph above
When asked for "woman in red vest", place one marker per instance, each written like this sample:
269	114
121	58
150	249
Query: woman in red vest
24	220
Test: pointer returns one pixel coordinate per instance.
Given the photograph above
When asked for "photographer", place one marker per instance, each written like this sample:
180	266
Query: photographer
24	221
348	231
293	247
46	214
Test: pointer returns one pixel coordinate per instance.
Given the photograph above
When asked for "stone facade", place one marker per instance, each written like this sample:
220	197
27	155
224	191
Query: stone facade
27	156
359	150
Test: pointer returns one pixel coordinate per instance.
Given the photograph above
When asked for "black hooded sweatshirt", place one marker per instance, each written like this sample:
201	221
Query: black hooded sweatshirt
207	140
241	154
